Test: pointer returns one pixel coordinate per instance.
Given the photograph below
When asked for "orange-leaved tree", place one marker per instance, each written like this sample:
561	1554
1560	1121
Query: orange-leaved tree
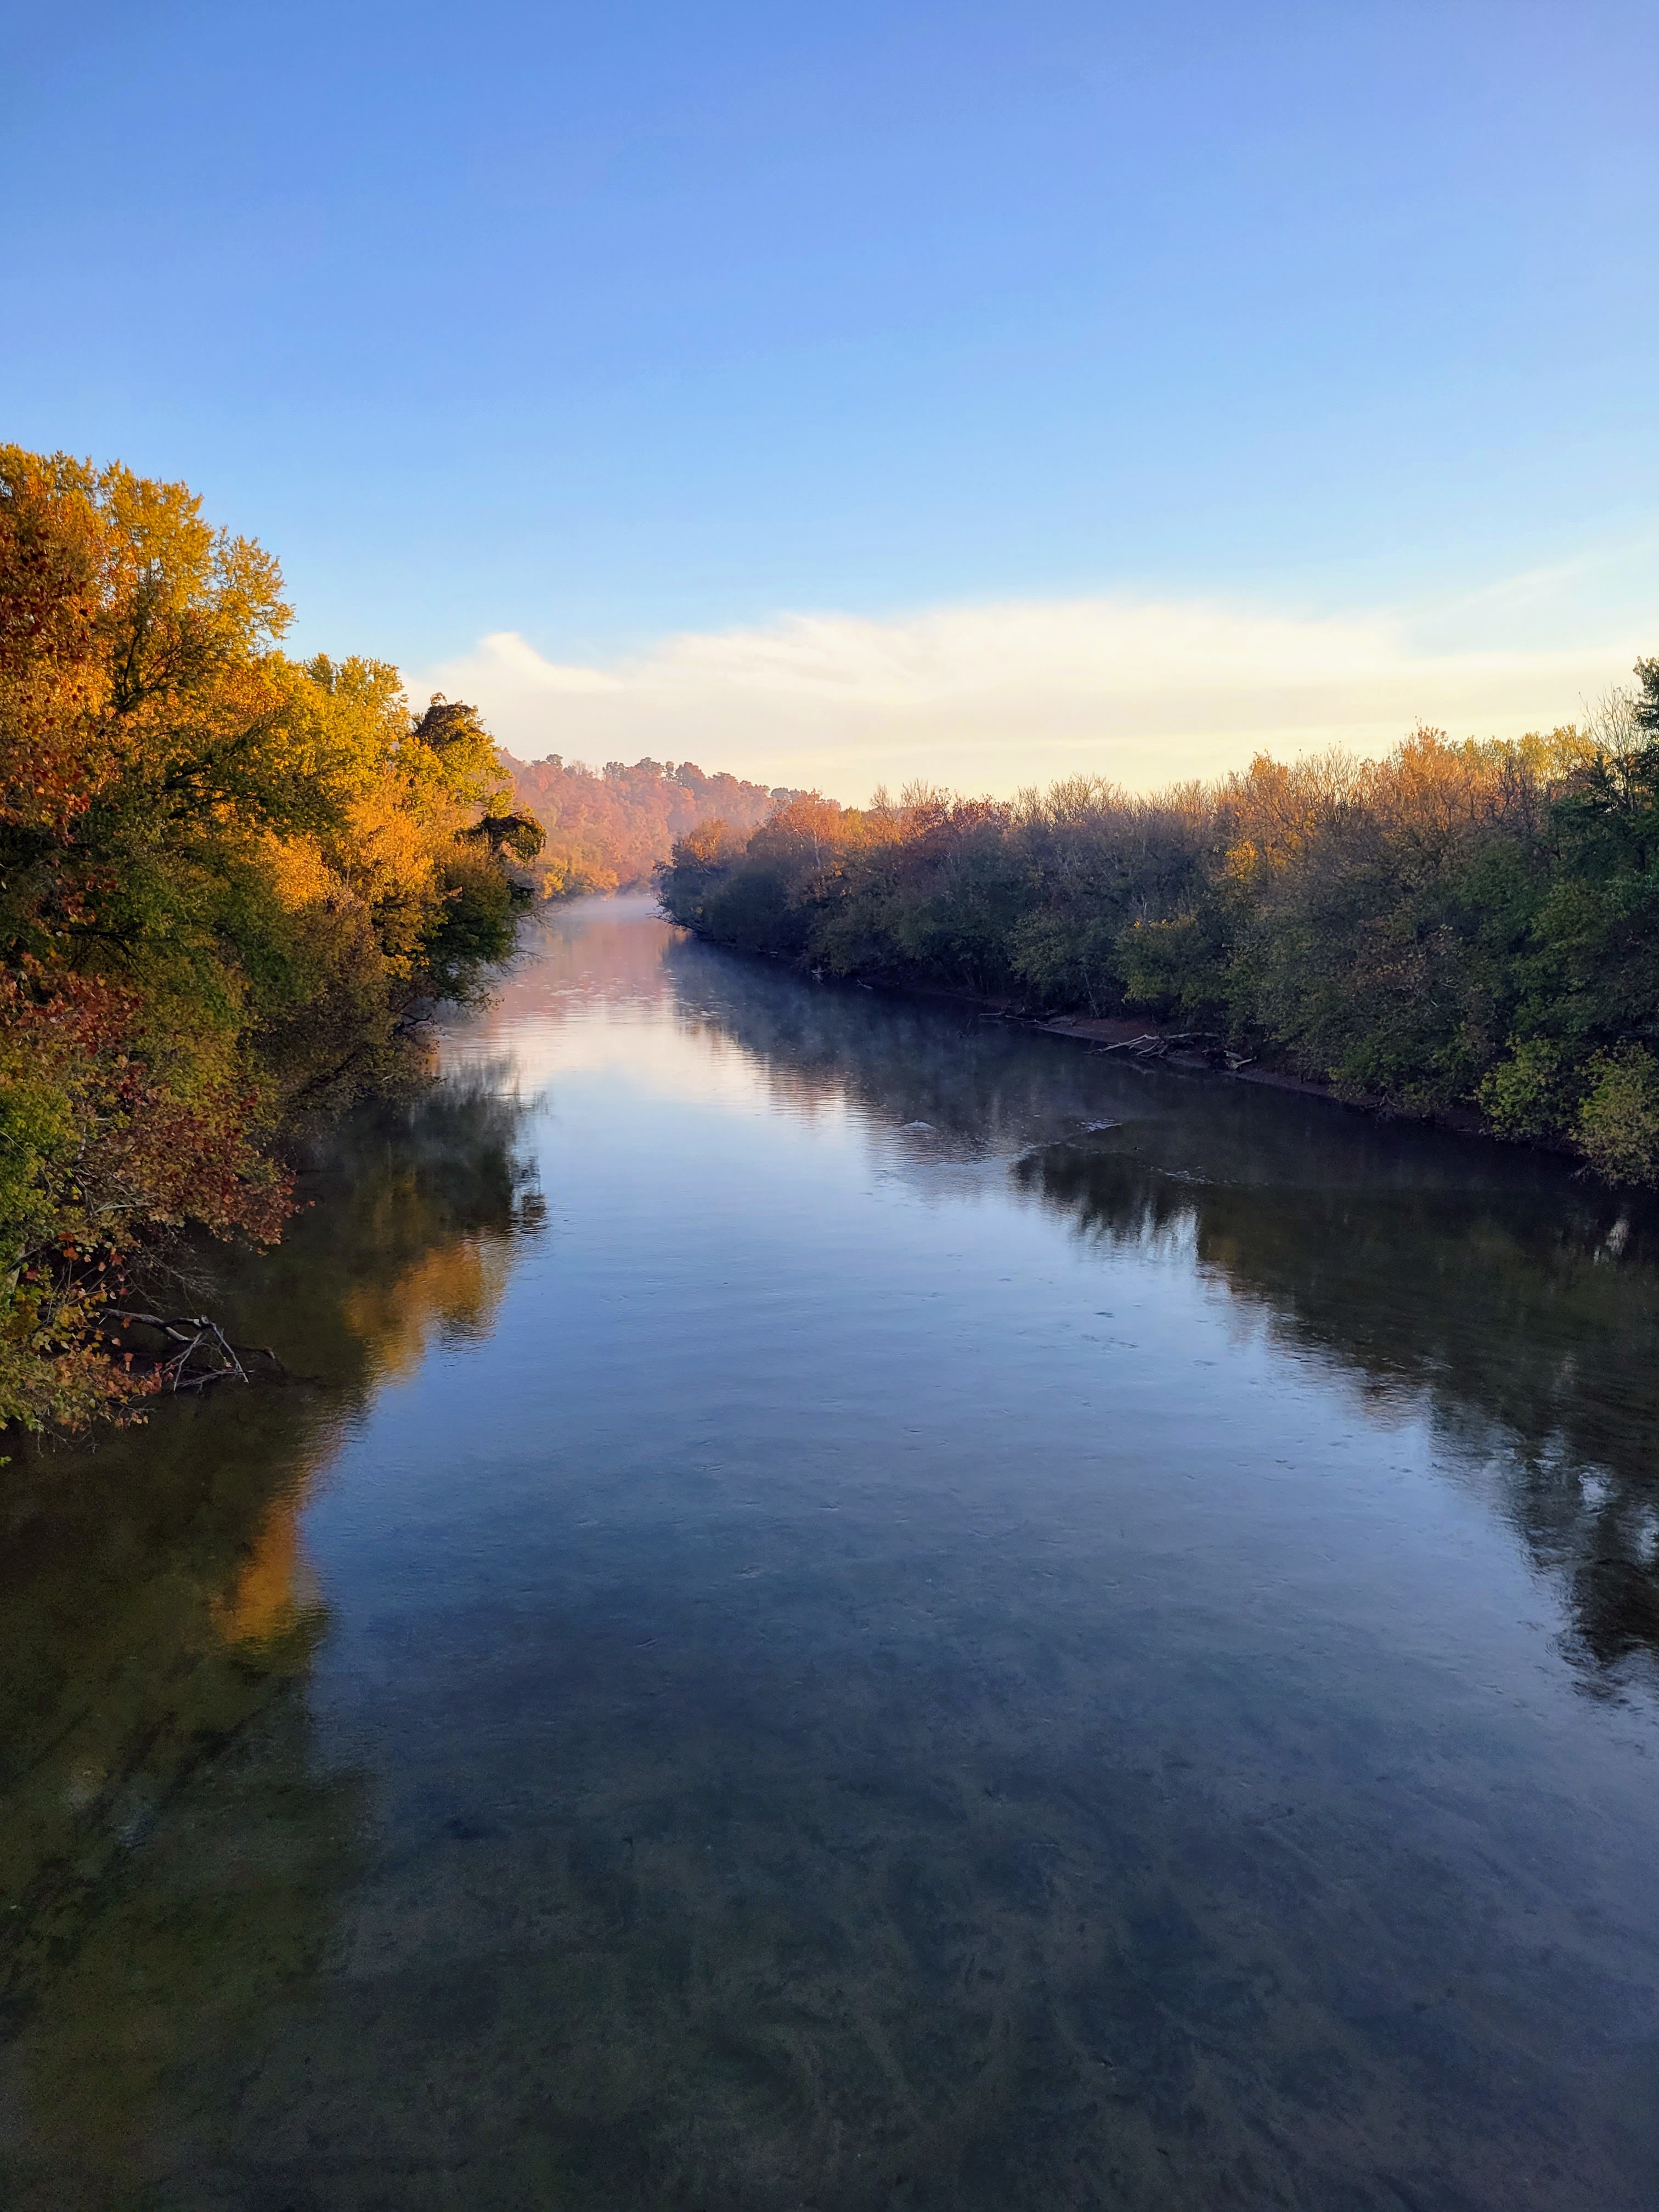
224	875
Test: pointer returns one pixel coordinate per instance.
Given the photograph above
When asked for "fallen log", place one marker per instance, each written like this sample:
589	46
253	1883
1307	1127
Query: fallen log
198	1337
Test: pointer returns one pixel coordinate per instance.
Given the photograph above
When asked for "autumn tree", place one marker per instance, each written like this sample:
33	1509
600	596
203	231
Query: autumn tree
224	876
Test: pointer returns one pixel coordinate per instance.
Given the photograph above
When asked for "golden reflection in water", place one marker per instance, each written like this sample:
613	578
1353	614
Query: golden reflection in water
451	1292
171	1844
273	1589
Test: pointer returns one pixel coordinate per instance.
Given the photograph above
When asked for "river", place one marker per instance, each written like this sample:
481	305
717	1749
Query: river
845	1606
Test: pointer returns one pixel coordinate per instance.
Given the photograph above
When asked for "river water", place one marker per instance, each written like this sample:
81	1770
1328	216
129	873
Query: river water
847	1607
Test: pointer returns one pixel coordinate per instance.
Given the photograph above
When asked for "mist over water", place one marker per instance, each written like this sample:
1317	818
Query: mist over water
849	1607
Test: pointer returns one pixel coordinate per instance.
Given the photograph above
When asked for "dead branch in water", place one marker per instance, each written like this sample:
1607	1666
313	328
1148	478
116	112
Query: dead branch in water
205	1353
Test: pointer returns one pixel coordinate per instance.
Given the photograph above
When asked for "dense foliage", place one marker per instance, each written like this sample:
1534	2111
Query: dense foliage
610	828
225	876
1470	926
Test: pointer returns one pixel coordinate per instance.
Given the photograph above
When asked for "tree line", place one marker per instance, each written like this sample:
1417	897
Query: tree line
227	878
1465	929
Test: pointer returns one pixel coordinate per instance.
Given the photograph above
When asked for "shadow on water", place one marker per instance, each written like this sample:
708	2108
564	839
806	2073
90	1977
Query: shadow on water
1518	1301
171	1845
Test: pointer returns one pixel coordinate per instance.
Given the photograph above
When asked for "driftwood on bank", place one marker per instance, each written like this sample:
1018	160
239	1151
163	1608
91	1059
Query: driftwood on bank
199	1352
1154	1043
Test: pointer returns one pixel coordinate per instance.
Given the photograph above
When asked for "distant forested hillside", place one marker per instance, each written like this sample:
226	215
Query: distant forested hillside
1470	927
612	827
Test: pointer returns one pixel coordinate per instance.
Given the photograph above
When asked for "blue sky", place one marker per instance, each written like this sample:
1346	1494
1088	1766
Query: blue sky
628	334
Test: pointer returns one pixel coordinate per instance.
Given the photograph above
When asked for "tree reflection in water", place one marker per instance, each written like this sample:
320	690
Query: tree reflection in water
171	1845
1531	1328
1521	1303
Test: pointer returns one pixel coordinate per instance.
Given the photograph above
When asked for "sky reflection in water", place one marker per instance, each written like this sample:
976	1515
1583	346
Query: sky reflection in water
860	1609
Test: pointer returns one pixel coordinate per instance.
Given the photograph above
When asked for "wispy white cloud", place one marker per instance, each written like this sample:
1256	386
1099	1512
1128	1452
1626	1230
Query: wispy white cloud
990	697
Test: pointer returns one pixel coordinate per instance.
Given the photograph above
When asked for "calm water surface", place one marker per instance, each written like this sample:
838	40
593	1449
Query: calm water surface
849	1608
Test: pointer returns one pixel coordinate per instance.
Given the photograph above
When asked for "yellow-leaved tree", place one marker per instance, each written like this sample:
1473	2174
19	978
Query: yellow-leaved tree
225	877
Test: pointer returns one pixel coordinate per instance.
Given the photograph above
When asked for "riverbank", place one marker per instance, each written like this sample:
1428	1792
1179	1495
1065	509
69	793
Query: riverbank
1466	933
1145	1038
1166	1041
